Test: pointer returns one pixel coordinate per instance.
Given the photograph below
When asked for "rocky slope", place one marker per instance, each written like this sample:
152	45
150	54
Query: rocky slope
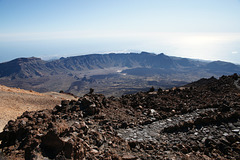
110	74
15	101
199	121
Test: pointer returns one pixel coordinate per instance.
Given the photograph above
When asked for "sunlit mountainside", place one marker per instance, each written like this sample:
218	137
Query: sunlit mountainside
111	74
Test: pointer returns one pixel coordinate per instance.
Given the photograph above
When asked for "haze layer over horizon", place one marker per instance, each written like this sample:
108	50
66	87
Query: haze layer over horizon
202	29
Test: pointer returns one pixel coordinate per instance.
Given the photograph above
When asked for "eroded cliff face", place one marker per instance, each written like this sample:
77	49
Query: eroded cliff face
198	121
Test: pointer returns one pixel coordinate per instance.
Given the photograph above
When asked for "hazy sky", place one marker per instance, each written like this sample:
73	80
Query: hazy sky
204	29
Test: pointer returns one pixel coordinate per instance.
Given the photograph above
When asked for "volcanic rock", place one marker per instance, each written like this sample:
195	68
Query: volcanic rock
196	122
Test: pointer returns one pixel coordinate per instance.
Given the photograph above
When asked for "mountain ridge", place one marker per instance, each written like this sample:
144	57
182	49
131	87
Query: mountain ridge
101	61
71	73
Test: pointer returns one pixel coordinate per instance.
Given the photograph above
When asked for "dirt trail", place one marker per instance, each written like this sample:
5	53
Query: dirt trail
236	83
151	132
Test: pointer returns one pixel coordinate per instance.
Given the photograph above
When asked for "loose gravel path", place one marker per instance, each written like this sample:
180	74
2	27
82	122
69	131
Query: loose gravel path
151	132
236	83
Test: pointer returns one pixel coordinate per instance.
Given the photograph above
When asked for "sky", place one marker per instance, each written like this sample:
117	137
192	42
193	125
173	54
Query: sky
200	29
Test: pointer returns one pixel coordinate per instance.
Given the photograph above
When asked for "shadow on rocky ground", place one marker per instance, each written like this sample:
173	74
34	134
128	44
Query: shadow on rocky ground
197	121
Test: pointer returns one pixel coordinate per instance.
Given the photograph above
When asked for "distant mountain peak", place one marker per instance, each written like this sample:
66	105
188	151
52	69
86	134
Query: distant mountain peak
147	53
23	59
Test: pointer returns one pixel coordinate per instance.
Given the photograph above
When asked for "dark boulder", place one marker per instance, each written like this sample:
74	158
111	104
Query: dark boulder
51	144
